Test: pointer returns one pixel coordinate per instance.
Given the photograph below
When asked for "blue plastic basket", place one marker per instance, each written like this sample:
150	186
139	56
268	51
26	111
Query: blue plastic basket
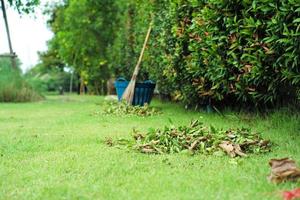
142	94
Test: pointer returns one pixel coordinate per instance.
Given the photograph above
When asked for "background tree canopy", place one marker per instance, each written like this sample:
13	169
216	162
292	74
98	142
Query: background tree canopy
221	51
84	30
25	6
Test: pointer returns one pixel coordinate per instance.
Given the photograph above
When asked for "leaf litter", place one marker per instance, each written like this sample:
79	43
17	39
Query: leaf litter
123	109
196	138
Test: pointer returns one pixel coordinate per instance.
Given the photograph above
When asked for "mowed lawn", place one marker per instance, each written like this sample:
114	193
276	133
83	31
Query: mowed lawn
54	149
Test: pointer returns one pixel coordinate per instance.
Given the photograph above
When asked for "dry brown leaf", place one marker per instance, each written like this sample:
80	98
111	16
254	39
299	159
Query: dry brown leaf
195	144
146	150
109	141
283	169
231	149
238	150
228	148
138	136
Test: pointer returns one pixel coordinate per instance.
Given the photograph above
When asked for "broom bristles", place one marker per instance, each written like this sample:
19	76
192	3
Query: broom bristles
129	92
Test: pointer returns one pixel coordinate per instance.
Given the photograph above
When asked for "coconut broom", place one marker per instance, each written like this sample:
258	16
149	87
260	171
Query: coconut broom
129	92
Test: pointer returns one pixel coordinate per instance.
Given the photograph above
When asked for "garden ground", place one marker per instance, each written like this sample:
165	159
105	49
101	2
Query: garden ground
54	149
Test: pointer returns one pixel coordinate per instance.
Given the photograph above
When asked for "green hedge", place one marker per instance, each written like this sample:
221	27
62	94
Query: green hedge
214	50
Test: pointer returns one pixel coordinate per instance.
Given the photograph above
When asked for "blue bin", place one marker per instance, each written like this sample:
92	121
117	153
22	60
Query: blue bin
142	94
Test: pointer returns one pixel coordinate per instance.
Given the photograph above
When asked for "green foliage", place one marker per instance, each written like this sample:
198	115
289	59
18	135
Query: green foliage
45	78
84	30
219	51
216	50
13	87
25	6
133	21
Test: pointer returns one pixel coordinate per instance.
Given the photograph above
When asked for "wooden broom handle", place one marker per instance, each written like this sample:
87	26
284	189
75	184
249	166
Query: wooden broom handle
137	67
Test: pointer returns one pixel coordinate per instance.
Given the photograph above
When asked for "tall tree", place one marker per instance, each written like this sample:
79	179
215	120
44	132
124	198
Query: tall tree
83	32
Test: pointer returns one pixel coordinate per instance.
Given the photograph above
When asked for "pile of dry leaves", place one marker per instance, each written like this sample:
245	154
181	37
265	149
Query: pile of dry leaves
197	138
122	108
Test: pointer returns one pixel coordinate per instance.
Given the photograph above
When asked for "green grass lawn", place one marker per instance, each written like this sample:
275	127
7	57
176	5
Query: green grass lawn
54	150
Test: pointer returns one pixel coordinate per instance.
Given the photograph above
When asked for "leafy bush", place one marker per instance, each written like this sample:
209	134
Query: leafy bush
13	88
231	51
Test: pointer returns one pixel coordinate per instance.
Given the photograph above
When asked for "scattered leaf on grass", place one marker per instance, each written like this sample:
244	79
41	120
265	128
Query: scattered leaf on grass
291	195
109	141
283	169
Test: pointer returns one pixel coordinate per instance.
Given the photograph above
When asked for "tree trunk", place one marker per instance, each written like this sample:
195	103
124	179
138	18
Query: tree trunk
71	82
82	86
12	53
